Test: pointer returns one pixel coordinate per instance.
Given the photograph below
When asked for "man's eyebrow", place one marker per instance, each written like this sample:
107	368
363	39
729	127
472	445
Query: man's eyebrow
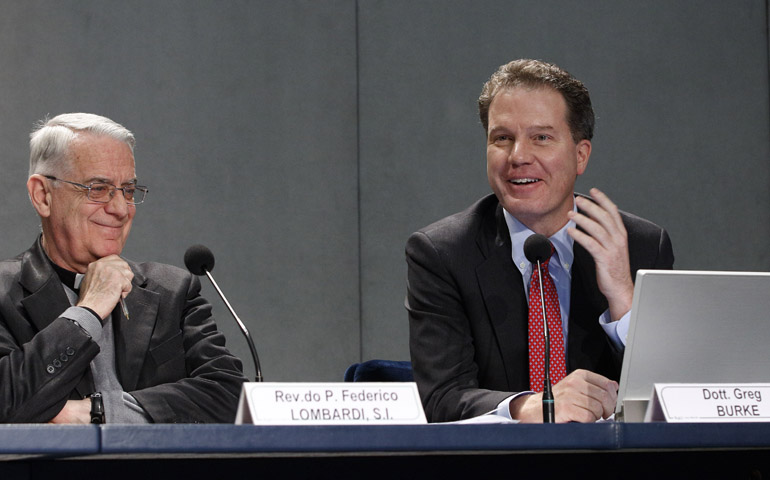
497	129
133	181
500	128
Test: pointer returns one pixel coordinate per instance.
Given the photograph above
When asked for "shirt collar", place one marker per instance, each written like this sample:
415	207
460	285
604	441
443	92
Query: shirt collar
561	241
67	277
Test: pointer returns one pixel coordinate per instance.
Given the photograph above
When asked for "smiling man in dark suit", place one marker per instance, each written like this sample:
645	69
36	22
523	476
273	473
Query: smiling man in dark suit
85	335
469	280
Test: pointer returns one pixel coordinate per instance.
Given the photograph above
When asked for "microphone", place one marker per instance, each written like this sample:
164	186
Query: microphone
200	261
537	248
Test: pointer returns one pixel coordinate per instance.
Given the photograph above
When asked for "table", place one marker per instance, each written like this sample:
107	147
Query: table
603	450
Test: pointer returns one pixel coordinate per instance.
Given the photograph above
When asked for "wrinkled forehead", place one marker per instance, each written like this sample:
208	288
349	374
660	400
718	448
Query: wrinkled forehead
101	157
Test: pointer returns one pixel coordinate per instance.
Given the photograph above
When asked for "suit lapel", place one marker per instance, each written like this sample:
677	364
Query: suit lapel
503	291
586	340
46	299
132	337
585	289
584	276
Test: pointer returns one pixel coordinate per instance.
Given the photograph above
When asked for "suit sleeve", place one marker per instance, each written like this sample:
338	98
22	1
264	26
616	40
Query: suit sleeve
665	260
38	377
189	377
440	338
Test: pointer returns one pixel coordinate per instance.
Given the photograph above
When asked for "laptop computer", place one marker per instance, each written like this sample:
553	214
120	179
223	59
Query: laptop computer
694	327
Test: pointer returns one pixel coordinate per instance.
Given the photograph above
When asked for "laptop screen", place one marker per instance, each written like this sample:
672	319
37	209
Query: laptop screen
694	327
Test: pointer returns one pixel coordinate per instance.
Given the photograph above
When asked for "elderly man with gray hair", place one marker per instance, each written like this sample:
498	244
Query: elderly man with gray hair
87	336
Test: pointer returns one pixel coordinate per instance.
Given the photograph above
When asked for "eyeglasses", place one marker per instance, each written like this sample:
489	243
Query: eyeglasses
101	192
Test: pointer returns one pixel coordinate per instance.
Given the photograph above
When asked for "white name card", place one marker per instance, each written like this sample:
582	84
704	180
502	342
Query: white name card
712	402
330	404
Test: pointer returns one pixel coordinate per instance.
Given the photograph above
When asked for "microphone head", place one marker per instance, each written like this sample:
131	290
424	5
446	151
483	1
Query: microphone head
198	259
537	248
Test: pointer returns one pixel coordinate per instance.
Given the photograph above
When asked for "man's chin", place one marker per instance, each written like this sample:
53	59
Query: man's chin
536	217
523	208
108	248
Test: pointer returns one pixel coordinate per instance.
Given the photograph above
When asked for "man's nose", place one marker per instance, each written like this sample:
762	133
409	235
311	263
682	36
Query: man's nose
118	205
519	154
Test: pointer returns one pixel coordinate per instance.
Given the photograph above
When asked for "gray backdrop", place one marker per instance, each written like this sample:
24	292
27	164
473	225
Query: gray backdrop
303	141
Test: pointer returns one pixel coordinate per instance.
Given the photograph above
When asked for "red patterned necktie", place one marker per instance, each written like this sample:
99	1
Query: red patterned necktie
558	369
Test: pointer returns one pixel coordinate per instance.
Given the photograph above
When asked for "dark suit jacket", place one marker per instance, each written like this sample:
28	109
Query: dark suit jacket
169	355
468	310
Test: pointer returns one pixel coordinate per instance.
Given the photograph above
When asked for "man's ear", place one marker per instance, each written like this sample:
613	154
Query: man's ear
39	194
583	150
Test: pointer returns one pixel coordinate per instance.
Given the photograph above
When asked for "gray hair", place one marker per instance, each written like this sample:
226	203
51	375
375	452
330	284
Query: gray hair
50	140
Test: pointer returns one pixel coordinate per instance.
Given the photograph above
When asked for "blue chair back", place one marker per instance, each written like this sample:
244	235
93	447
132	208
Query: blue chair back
380	371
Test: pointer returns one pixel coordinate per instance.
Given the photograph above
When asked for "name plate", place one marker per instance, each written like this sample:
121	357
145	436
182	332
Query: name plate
330	404
712	402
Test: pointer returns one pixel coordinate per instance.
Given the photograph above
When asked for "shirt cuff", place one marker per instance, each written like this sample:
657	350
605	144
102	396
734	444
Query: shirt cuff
504	407
86	319
618	330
